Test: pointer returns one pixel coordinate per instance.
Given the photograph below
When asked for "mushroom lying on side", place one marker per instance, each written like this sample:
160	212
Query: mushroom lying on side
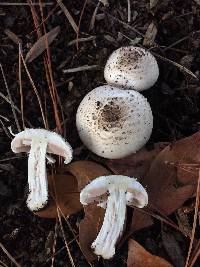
38	142
131	68
120	191
114	123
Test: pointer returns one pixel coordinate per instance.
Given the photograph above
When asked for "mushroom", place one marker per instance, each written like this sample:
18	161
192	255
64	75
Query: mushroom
114	123
131	68
38	142
121	191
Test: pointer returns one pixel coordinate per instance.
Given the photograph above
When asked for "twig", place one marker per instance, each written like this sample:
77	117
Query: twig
81	68
129	11
81	40
24	4
194	221
9	255
11	102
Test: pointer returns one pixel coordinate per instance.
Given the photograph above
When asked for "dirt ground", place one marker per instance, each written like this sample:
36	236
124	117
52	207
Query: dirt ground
175	102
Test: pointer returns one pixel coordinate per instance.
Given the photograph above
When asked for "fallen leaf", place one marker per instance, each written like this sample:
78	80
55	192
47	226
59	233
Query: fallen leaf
170	175
85	171
172	178
63	189
139	257
89	228
150	35
40	46
138	163
65	186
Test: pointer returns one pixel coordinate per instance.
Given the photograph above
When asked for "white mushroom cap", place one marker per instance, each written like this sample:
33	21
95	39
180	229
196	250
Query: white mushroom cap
38	142
114	123
56	144
121	191
131	68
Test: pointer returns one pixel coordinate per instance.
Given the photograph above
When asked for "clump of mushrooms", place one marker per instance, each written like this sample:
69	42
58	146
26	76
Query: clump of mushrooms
131	68
113	192
38	142
114	123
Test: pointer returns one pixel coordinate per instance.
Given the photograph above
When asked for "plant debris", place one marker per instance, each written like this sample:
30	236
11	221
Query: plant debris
41	45
139	257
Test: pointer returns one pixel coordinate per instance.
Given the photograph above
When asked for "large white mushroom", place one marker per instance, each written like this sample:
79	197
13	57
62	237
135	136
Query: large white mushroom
114	123
120	191
38	142
131	68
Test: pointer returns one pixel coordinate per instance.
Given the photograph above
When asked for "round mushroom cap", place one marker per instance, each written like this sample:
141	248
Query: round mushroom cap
114	123
131	68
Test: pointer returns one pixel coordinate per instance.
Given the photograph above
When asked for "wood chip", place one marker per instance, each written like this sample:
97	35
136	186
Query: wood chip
105	3
153	3
40	46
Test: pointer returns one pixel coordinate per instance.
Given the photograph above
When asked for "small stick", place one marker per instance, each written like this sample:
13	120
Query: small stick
82	68
9	255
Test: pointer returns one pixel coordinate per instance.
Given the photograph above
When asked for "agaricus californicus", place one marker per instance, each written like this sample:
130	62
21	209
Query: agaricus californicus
38	142
115	192
114	123
131	68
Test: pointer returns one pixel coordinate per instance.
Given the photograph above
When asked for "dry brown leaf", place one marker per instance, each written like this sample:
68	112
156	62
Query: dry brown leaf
150	35
39	47
65	186
139	257
89	228
137	164
172	178
66	195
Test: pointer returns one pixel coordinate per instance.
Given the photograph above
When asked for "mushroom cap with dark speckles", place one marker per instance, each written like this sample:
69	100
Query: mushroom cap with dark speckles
114	123
131	68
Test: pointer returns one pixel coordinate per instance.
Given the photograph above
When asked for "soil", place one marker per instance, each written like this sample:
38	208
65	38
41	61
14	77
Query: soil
175	102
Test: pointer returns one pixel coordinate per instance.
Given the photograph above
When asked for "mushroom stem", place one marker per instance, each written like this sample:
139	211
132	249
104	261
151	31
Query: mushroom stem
37	177
113	224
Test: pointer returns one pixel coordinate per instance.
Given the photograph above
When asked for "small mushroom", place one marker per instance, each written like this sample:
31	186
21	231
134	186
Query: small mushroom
131	68
38	142
114	123
121	191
